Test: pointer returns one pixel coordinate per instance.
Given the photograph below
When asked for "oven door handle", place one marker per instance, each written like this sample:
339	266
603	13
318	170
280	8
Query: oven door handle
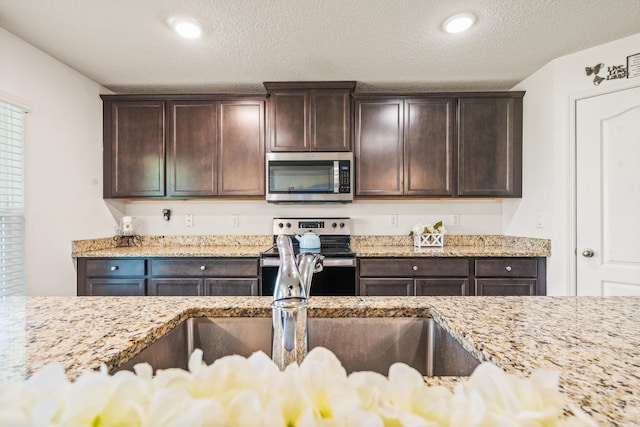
328	262
339	262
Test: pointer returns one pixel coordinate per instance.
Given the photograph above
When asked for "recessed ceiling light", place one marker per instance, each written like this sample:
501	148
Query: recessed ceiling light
188	28
459	23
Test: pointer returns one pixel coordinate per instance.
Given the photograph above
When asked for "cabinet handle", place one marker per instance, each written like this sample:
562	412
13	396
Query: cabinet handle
508	268
415	268
114	267
203	267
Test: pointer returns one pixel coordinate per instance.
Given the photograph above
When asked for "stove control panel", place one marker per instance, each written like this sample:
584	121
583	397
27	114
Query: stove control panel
320	226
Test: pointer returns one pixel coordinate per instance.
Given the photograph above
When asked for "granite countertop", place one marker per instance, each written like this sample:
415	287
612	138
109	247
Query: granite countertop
363	246
592	342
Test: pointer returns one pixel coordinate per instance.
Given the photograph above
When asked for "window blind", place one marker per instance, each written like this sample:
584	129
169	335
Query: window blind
11	200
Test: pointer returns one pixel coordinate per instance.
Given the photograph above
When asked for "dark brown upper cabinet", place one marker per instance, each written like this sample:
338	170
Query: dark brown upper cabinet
379	147
134	149
214	146
405	147
429	125
192	161
217	148
490	145
439	145
309	116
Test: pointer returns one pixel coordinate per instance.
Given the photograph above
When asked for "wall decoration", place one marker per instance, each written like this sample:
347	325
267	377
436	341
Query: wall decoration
595	70
633	65
614	72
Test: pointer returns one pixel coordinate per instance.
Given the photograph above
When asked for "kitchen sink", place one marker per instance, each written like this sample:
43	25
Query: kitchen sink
361	344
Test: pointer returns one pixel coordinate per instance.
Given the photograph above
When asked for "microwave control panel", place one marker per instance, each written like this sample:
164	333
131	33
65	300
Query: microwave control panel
344	174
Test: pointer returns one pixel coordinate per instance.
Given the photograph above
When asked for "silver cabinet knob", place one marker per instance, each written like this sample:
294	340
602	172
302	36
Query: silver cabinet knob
203	267
114	268
415	268
588	253
508	268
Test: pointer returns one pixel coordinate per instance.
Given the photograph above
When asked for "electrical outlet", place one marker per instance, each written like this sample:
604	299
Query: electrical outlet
455	220
235	220
188	220
393	220
539	220
167	223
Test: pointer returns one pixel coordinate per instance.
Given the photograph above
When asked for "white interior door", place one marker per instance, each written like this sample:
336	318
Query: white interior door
608	194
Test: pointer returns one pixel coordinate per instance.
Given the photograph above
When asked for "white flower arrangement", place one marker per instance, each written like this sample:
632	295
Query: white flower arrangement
238	391
419	228
428	235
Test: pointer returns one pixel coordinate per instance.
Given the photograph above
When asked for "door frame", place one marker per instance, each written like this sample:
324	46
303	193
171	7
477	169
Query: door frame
573	169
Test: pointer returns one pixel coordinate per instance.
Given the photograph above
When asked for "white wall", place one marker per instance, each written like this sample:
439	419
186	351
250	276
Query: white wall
63	161
548	151
368	217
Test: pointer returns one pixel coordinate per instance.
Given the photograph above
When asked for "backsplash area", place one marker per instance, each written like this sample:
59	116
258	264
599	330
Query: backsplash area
254	217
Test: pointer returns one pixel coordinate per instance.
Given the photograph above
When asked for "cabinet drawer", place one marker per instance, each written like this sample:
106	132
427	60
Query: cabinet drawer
506	267
219	267
414	267
115	267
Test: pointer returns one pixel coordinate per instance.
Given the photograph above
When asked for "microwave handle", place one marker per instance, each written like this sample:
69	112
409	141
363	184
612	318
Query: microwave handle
336	177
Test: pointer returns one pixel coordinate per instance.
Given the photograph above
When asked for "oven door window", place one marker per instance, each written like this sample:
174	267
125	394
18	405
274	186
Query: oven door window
313	176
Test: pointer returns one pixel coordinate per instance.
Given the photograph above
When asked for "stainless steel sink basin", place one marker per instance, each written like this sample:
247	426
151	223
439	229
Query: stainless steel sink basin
361	344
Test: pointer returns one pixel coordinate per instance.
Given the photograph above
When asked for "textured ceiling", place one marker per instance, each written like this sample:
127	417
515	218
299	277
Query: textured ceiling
126	45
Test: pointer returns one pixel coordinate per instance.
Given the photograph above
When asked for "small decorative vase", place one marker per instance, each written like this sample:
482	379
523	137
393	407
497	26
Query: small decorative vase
429	240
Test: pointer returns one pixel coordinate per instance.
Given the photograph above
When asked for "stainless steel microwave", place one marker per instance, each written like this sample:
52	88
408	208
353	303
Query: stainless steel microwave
309	177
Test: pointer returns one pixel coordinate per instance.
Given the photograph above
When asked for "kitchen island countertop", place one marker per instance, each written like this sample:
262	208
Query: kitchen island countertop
592	342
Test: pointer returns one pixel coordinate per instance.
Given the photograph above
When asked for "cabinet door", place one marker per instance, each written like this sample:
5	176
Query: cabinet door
176	287
231	287
330	120
490	147
444	287
379	147
500	287
429	147
386	287
241	148
134	149
193	154
289	121
115	287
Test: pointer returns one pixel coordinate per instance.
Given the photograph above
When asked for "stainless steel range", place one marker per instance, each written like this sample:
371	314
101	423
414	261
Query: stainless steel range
339	274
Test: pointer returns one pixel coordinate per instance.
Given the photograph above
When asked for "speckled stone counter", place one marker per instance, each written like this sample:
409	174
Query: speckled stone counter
454	246
364	246
592	342
174	246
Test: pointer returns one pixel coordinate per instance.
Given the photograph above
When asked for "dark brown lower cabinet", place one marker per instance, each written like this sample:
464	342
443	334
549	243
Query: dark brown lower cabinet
510	276
168	276
115	287
176	287
387	287
231	287
414	276
452	276
499	287
446	287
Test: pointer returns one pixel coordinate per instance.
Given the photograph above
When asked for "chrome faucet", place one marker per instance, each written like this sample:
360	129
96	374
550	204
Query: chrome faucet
290	301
